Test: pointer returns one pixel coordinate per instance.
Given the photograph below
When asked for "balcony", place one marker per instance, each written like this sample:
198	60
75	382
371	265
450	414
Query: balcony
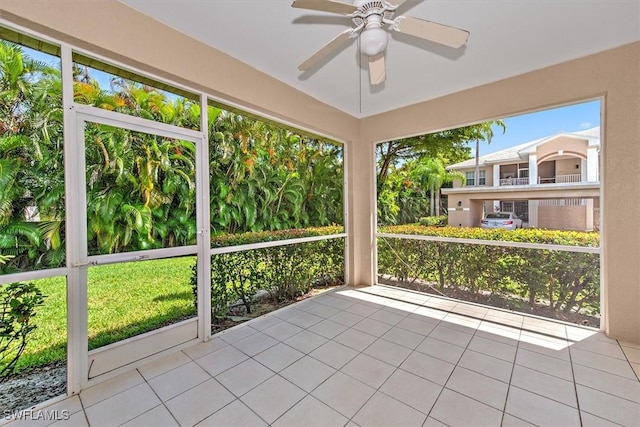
560	179
514	181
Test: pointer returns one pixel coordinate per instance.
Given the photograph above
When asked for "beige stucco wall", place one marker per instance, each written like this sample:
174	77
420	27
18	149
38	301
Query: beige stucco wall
573	146
566	166
563	217
612	74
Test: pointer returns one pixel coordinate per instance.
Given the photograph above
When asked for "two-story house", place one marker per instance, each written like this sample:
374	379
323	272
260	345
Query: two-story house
552	182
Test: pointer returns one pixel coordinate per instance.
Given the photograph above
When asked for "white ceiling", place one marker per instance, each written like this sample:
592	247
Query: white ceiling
508	37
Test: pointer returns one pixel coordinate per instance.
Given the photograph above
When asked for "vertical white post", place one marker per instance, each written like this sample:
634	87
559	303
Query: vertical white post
203	218
533	169
496	175
345	210
76	226
592	164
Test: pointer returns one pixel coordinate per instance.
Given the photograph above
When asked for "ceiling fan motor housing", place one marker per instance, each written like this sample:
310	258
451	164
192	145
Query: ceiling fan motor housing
372	15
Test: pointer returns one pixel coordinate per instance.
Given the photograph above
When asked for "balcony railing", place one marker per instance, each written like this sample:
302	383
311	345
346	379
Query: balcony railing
560	179
514	181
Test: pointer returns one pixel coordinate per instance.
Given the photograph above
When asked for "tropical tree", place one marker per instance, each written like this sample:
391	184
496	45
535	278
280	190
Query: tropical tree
432	175
484	132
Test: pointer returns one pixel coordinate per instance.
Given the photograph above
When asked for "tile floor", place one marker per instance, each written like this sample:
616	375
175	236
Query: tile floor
378	357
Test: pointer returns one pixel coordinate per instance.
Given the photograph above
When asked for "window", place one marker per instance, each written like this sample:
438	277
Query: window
470	176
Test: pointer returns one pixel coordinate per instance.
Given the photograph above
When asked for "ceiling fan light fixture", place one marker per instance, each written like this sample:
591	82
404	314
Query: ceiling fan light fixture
373	41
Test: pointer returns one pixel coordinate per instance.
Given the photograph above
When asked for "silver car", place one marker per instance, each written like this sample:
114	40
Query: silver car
506	220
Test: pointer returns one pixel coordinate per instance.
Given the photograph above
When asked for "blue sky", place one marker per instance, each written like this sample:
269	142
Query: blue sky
528	127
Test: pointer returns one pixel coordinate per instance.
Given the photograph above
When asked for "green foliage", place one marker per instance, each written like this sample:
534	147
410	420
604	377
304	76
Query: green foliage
18	302
565	281
434	221
285	271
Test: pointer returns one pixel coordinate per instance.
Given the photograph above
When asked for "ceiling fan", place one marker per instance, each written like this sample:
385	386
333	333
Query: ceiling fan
370	18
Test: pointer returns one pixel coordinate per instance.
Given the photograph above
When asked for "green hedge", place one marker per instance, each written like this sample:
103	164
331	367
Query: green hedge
434	221
564	282
284	271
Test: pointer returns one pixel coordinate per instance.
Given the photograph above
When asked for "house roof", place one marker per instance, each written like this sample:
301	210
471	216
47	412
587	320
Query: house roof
518	153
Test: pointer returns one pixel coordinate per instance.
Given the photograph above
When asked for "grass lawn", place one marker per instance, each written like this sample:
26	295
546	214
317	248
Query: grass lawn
124	300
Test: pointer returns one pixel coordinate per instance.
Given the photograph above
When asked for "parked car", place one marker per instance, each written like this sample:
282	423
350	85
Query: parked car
506	220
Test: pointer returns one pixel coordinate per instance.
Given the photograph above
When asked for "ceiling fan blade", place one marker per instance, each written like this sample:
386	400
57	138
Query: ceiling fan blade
327	49
377	73
439	33
325	6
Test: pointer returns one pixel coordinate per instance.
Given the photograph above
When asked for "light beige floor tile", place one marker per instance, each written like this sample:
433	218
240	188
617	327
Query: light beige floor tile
65	412
594	345
236	334
70	404
122	407
372	327
440	304
245	376
362	309
412	390
283	330
320	310
158	416
428	367
545	385
613	384
608	364
165	364
630	345
554	347
403	337
75	420
278	357
461	323
273	398
355	339
202	349
389	317
486	365
540	410
403	305
328	329
432	422
221	360
178	380
265	322
305	320
94	394
511	421
346	318
415	298
235	414
632	354
452	336
389	352
428	314
370	371
336	302
310	412
589	420
306	341
578	333
543	363
417	325
455	409
504	318
607	406
343	393
493	348
496	332
195	405
479	387
470	310
334	354
382	410
440	349
255	344
307	373
288	313
636	369
543	326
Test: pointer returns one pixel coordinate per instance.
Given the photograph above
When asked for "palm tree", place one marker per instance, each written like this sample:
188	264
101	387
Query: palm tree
484	132
432	174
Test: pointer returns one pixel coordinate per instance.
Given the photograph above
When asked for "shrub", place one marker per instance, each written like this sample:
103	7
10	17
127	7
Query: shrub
284	271
434	221
566	281
18	302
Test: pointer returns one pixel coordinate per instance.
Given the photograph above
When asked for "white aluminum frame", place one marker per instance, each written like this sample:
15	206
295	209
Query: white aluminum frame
77	259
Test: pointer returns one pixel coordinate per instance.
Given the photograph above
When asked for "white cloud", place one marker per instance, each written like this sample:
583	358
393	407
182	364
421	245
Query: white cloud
585	125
